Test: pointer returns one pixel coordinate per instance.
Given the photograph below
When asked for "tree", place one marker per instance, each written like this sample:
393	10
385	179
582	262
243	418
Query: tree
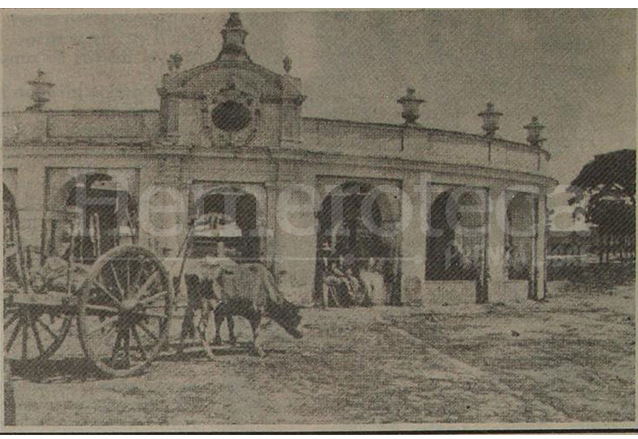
604	192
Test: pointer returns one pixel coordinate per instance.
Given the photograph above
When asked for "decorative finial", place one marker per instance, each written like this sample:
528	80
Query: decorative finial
410	105
40	90
175	62
287	64
490	120
233	20
234	36
534	132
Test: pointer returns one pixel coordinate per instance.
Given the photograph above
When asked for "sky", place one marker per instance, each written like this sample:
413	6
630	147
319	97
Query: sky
574	69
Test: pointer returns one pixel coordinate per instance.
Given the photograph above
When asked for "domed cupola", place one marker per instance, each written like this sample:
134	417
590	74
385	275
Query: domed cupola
230	102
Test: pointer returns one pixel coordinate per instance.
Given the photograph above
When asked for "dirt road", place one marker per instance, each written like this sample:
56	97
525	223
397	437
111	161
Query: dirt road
568	359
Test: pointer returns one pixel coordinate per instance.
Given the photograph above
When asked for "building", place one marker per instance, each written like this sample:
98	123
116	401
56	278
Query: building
230	152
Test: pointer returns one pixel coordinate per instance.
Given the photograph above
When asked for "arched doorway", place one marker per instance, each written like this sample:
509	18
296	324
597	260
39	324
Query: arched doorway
455	263
226	214
90	213
358	228
520	239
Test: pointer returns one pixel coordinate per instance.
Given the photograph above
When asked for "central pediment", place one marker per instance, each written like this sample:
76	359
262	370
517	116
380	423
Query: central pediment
210	78
230	101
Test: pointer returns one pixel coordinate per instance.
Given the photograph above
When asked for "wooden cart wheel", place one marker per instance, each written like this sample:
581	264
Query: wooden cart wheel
32	334
125	310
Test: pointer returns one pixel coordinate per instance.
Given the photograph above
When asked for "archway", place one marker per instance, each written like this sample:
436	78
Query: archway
455	243
455	262
357	226
226	214
90	213
441	261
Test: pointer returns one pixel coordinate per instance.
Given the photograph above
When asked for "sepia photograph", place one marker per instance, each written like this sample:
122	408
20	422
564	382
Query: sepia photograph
347	220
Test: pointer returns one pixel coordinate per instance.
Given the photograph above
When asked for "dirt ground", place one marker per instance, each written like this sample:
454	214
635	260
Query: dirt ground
568	359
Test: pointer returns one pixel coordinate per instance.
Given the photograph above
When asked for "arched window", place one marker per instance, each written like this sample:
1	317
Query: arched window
90	212
226	214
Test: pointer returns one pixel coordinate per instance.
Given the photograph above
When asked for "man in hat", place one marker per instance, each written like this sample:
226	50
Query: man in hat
331	280
323	272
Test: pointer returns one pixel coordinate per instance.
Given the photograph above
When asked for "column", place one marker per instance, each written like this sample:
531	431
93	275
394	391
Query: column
270	251
541	245
167	208
496	274
30	201
295	235
413	238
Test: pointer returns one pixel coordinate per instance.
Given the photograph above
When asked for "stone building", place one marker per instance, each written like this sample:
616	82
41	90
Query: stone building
453	217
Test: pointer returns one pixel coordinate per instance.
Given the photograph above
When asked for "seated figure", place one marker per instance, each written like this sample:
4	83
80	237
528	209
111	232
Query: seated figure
373	283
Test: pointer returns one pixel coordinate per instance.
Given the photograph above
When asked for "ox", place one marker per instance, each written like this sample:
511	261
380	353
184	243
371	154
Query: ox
245	290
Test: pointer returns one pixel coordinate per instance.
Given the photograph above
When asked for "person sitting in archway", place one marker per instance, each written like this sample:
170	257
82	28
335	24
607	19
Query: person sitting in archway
332	284
322	269
345	270
373	282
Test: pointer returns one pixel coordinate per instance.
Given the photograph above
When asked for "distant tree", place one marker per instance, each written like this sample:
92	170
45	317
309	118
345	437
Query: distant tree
604	192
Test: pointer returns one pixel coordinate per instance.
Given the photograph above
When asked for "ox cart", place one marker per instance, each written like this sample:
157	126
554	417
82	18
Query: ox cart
123	303
122	299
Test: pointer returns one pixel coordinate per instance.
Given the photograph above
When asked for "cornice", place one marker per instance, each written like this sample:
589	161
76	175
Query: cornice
434	132
299	157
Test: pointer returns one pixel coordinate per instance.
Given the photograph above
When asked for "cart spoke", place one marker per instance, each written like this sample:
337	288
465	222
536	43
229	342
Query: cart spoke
127	346
106	290
25	340
148	331
149	281
102	309
12	319
48	329
14	335
36	333
116	345
151	315
128	274
120	356
117	280
153	298
140	270
139	343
